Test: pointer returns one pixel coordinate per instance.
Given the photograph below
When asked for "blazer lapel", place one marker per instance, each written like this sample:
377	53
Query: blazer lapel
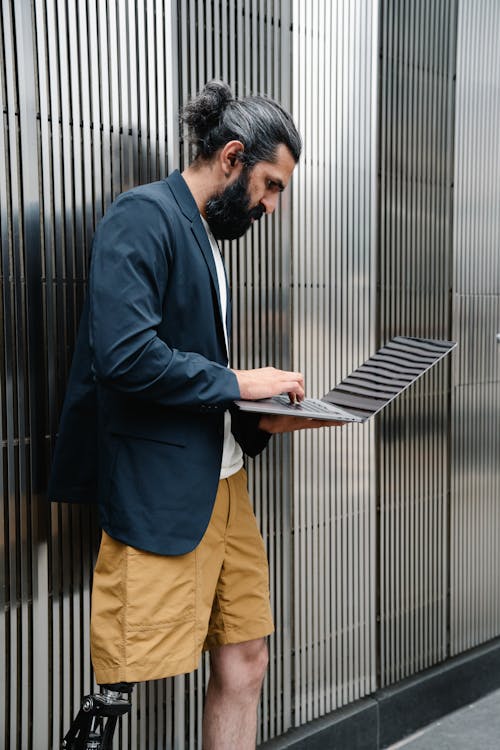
229	317
188	206
206	248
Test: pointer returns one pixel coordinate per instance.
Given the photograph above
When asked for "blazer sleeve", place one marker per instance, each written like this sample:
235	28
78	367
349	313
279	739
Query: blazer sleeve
245	429
132	254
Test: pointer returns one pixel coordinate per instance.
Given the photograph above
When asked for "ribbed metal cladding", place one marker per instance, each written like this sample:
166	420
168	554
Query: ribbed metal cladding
416	172
333	331
89	92
475	509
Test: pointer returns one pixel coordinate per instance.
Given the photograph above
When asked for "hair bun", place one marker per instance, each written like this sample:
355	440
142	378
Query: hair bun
204	110
216	95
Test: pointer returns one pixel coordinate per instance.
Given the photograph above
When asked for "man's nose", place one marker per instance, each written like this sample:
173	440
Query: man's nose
269	202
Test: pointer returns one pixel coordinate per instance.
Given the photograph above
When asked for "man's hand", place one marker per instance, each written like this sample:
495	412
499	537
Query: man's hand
265	382
276	423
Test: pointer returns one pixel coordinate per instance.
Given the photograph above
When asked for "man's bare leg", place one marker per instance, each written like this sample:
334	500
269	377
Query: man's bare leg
236	674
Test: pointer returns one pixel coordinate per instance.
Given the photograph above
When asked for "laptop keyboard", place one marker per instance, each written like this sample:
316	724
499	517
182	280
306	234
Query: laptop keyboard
311	404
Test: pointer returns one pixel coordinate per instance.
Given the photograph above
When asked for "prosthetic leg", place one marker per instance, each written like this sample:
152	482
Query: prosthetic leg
95	723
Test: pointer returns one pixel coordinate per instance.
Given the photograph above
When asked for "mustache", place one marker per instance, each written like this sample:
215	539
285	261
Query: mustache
257	212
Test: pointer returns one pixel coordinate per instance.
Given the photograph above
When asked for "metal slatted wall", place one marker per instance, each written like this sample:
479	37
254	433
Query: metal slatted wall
475	510
86	91
333	306
416	172
90	94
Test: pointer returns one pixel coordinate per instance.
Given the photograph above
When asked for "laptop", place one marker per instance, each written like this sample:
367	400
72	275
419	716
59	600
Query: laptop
367	390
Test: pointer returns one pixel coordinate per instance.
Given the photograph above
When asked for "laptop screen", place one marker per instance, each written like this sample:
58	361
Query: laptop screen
386	374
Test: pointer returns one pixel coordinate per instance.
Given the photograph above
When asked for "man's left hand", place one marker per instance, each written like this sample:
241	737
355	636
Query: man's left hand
276	423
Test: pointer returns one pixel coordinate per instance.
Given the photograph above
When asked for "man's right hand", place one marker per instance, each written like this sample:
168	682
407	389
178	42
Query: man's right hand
265	382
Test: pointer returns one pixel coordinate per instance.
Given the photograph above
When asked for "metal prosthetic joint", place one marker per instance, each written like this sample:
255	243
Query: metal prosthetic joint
95	723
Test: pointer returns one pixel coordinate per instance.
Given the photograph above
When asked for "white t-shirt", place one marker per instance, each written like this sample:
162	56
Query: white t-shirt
232	455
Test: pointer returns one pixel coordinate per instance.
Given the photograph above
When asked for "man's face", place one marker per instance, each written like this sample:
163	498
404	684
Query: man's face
255	192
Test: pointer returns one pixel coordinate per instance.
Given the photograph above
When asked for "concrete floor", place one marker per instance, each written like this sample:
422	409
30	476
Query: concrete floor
474	727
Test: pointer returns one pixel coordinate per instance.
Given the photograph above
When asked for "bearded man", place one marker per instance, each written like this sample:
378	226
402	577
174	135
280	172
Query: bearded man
182	565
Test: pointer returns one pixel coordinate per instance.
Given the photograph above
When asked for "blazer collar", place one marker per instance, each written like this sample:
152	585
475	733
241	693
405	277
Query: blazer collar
182	195
187	204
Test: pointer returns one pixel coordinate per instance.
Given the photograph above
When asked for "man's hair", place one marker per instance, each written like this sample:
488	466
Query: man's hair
214	117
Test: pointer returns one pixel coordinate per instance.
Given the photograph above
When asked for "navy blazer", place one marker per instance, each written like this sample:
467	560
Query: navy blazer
143	421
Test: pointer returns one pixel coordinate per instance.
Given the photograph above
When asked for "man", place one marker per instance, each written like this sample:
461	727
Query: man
182	565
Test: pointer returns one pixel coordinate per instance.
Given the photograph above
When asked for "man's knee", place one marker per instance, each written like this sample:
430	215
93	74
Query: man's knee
240	666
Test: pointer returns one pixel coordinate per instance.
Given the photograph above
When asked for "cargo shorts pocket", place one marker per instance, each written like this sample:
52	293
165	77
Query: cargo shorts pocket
160	589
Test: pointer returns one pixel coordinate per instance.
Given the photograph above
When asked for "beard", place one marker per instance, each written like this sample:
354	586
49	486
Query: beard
228	214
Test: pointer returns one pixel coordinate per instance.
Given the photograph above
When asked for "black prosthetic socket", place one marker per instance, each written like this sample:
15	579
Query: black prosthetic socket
119	687
95	723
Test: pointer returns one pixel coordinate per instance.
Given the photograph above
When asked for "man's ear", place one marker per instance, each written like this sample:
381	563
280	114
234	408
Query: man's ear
230	158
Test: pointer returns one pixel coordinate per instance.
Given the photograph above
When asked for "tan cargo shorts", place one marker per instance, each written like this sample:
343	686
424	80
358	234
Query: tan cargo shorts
152	615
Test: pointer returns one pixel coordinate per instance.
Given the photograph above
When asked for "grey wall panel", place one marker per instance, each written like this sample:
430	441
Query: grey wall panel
475	509
333	330
416	168
90	94
71	140
476	319
18	414
475	520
